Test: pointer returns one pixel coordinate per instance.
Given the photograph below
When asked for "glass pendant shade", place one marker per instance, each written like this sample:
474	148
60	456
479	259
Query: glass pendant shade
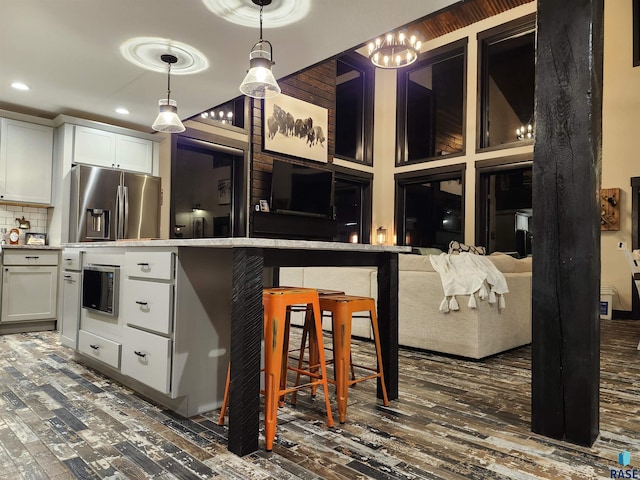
167	120
259	81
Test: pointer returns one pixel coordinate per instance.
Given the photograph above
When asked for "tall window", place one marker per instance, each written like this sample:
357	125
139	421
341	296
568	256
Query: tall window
431	106
507	84
352	203
354	109
431	208
505	208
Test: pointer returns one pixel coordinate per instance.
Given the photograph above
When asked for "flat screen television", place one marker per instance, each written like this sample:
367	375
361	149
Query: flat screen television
301	190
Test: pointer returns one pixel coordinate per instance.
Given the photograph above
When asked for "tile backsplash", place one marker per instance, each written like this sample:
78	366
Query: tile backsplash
36	216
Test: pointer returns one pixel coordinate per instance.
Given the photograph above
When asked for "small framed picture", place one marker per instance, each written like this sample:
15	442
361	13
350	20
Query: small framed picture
264	206
31	238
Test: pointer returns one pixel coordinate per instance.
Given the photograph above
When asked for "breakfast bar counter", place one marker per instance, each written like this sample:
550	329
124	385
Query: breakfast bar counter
243	267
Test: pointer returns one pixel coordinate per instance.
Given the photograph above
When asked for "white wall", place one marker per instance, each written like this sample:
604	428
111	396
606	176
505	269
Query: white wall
620	140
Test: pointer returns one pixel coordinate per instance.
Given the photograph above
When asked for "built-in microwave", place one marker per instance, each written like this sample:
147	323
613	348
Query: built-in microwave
100	286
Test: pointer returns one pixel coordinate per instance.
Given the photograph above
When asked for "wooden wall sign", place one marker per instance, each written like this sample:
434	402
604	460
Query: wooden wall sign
610	209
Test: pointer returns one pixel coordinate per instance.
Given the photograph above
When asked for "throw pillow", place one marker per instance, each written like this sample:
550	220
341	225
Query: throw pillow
456	248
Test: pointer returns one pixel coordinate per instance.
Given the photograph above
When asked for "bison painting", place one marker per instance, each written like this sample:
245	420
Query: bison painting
295	127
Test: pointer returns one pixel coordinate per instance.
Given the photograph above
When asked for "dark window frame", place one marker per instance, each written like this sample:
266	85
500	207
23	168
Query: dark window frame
366	68
239	103
204	141
459	47
520	26
423	176
365	180
636	32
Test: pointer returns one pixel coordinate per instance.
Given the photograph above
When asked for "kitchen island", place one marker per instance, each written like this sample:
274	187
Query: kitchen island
215	292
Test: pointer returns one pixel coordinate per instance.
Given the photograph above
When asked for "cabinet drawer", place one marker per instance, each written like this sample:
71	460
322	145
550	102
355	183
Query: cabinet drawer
147	358
156	265
30	257
148	305
100	348
72	260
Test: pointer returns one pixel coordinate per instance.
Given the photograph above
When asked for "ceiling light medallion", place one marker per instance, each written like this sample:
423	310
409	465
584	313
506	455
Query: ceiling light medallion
259	81
394	51
167	120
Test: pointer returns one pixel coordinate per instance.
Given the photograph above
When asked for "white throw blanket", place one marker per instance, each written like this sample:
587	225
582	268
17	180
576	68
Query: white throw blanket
468	274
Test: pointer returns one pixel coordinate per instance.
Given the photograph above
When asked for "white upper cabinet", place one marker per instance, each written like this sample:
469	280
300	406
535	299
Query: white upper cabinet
112	150
94	147
26	161
134	154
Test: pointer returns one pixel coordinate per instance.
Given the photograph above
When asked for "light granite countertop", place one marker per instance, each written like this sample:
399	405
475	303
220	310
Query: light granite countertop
244	242
31	247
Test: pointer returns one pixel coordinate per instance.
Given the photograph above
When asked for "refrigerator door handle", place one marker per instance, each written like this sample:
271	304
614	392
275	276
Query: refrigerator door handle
125	219
120	199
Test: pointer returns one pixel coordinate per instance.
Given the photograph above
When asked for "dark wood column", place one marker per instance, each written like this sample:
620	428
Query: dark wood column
246	335
388	323
566	220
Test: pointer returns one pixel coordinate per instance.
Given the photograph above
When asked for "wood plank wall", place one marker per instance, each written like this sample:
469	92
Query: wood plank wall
315	85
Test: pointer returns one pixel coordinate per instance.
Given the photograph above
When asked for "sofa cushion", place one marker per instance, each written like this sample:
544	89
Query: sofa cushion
414	263
426	251
455	247
508	264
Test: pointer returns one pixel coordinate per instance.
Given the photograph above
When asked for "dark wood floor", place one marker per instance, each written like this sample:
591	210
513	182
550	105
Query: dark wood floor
455	419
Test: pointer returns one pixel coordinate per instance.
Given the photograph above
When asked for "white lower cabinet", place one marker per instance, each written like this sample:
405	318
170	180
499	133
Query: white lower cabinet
29	293
71	289
29	285
147	358
99	348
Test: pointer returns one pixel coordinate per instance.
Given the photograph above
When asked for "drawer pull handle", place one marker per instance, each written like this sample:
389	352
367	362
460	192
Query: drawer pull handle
68	259
141	303
140	354
143	264
32	256
94	346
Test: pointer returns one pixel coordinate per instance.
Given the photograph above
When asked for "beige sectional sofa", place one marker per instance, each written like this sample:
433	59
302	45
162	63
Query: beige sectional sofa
472	333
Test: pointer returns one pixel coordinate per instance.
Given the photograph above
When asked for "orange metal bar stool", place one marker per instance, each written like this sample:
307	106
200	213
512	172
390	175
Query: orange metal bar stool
277	302
307	331
342	309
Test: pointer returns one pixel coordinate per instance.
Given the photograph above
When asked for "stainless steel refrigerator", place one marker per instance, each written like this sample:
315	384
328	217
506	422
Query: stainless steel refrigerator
112	205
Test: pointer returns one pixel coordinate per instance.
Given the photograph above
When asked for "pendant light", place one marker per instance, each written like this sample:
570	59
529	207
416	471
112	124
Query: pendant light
167	120
260	82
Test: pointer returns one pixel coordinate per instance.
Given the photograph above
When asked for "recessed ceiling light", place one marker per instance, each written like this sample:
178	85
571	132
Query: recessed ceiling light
122	111
20	86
